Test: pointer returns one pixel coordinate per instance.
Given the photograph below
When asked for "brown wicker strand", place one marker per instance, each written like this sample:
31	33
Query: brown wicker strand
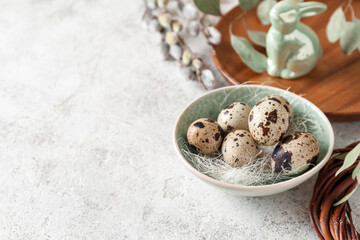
329	221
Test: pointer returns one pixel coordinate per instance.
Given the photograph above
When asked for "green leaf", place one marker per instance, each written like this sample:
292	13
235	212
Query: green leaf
341	156
350	159
346	197
336	25
211	7
263	11
356	173
248	4
350	38
252	58
257	37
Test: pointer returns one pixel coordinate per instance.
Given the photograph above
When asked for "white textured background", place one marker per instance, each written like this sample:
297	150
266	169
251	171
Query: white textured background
87	112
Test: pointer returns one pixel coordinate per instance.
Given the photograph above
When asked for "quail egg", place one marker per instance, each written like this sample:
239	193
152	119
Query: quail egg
283	102
239	148
268	122
204	136
233	117
295	153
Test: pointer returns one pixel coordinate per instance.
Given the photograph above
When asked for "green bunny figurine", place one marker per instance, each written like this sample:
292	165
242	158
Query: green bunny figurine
292	48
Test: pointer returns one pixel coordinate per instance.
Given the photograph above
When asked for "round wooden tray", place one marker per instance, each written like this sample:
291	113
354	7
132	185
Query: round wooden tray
334	84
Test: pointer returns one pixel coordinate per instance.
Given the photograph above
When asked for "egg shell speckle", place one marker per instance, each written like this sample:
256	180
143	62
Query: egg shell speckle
295	152
239	148
285	103
204	135
234	117
268	122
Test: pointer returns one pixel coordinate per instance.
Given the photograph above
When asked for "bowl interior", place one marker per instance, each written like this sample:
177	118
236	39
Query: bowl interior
210	105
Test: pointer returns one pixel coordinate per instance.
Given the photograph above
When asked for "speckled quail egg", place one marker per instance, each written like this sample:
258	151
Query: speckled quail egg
268	122
295	153
283	102
204	136
235	116
239	148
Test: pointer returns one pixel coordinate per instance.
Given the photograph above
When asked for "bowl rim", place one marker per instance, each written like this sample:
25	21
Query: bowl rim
280	185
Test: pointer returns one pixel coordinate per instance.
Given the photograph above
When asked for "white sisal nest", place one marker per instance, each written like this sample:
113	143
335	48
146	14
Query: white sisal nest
258	171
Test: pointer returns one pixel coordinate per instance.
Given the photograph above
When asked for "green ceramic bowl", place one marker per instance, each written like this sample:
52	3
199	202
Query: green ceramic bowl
210	105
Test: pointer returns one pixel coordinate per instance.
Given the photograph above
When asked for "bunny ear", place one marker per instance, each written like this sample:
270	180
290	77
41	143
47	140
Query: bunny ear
308	9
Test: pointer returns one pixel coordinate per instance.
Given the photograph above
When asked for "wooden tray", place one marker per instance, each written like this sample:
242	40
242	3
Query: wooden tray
334	84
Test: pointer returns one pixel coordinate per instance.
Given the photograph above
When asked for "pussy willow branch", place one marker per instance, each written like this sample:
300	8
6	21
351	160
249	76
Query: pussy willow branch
201	22
201	28
198	77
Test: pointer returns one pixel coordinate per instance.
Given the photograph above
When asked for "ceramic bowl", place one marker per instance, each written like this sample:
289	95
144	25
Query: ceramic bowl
210	104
